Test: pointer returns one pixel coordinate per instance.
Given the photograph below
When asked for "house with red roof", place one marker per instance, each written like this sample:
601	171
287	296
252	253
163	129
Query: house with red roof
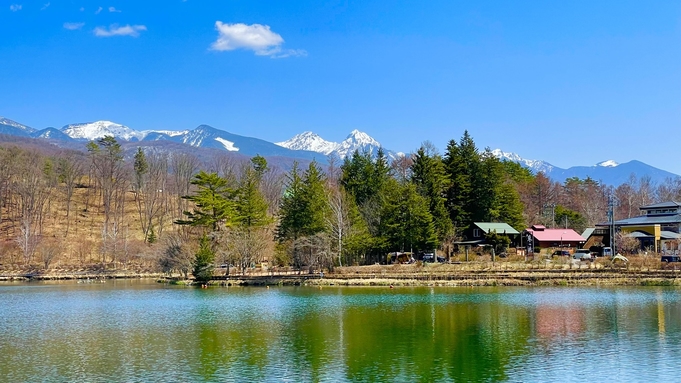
542	238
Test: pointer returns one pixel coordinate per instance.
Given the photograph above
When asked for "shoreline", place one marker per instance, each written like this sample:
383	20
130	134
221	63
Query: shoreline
485	278
23	276
388	276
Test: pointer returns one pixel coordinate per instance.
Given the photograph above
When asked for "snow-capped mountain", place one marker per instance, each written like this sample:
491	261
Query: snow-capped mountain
535	165
14	128
203	136
307	146
356	140
98	129
14	124
309	141
608	172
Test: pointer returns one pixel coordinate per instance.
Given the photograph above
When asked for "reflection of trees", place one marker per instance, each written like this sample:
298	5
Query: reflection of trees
469	342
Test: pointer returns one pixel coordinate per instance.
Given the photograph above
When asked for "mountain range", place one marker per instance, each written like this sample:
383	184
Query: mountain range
608	172
305	147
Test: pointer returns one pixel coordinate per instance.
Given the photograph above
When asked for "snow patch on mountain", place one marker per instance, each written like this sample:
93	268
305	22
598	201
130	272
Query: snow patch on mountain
170	133
607	164
229	145
534	165
8	122
99	129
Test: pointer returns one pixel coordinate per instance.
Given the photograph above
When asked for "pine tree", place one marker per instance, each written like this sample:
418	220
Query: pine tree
462	162
428	174
151	237
510	207
250	205
141	167
486	183
314	195
292	209
407	222
202	266
214	206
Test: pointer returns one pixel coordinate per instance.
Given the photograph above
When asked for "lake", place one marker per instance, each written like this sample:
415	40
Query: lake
144	331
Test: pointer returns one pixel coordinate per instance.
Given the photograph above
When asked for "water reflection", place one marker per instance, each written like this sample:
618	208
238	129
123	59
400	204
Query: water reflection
148	332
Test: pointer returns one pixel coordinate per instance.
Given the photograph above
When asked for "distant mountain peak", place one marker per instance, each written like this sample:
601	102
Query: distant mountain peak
8	122
98	129
309	141
358	137
356	140
607	164
534	165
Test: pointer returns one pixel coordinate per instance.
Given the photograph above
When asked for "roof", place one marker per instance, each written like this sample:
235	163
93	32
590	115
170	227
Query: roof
475	242
661	205
587	233
646	220
638	234
499	227
664	234
556	235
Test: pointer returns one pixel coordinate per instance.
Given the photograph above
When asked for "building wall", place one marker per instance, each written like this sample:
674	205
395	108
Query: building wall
652	229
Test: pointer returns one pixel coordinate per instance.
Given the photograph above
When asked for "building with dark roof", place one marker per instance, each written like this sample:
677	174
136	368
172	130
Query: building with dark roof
475	235
658	227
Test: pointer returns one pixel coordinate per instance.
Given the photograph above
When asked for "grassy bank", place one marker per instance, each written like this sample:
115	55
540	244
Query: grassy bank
468	274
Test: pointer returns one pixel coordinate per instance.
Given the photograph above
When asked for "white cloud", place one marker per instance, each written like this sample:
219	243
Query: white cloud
98	10
15	7
256	37
115	30
45	6
113	9
73	26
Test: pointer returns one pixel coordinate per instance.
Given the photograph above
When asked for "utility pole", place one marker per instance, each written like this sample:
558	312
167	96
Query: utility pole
612	202
551	206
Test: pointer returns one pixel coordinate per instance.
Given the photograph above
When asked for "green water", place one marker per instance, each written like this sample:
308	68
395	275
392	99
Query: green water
142	331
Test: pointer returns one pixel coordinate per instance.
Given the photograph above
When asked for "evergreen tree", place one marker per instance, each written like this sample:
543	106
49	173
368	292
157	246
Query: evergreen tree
213	202
250	204
151	237
498	242
509	206
486	183
407	222
294	214
570	218
314	196
202	266
462	162
365	180
141	167
259	165
428	174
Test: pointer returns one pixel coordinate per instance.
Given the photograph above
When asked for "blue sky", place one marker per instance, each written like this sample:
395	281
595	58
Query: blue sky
572	83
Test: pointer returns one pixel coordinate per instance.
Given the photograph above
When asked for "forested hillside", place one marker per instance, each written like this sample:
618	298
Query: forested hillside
175	212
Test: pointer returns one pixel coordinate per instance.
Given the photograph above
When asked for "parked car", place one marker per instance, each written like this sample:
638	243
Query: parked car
583	255
430	257
670	258
561	253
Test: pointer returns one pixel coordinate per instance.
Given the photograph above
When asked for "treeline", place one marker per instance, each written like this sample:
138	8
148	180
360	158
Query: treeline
180	214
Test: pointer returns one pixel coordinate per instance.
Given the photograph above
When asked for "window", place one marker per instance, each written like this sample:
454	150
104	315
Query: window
476	233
